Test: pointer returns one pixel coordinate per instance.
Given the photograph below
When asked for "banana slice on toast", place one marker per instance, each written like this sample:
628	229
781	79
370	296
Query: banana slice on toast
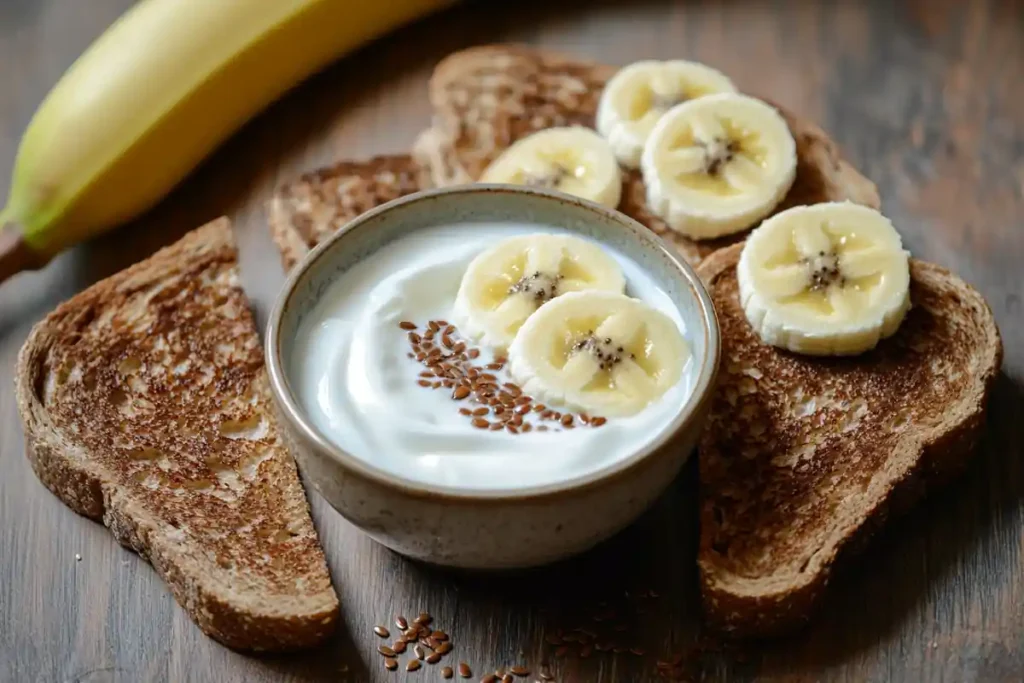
828	279
599	352
574	160
504	285
638	95
718	164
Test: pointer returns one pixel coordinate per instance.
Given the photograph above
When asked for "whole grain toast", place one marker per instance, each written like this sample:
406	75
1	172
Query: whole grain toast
802	458
145	405
485	99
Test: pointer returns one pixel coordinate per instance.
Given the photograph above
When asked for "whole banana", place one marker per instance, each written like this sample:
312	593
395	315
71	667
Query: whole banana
154	95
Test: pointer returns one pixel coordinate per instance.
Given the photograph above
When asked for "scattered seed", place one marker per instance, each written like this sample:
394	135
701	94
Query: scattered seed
390	664
459	348
520	671
507	678
381	631
423	383
444	648
436	385
584	418
567	420
401	623
447	672
473	353
481	411
512	428
434	325
431	642
419	651
464	670
489	678
406	325
447	341
527	427
497	426
399	646
433	658
465	411
539	408
385	650
481	423
461	392
597	421
413	665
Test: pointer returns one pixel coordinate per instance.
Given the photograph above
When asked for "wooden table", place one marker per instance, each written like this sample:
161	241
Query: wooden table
924	95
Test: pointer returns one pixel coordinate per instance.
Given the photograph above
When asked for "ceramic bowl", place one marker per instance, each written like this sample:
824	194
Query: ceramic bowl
491	529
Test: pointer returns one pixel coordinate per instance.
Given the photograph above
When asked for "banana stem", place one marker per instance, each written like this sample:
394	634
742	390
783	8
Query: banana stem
15	254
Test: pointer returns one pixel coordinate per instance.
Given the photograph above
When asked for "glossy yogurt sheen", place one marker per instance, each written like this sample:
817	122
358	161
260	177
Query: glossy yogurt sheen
351	372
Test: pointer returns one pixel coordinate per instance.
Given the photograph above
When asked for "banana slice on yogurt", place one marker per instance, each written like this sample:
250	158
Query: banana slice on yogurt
718	164
504	285
638	95
599	352
827	279
574	160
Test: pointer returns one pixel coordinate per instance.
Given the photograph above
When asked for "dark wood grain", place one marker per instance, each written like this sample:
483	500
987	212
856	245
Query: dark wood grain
925	97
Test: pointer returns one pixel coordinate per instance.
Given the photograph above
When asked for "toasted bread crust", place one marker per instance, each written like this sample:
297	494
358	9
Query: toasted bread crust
121	441
777	514
317	204
486	98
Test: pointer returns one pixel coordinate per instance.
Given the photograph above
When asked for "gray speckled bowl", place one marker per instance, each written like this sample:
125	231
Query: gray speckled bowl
501	529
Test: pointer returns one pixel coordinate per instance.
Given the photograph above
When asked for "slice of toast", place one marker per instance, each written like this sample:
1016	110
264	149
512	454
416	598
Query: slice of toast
317	204
486	98
145	405
802	458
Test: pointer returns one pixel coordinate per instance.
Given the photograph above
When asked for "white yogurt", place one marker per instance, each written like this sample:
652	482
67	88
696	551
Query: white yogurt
351	372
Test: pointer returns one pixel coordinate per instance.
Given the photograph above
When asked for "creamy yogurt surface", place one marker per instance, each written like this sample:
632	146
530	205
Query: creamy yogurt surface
351	371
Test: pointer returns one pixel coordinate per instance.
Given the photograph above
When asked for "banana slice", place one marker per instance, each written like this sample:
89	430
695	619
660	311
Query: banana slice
639	94
600	352
825	280
717	165
573	160
504	285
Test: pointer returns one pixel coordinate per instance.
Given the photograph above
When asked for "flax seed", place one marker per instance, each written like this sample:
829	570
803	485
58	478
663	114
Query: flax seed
413	665
512	428
539	408
444	648
489	678
474	353
436	385
597	421
481	423
390	664
448	384
419	651
527	427
381	631
420	356
447	672
481	411
399	646
406	325
447	341
567	420
427	373
439	636
499	409
423	383
523	410
497	426
433	659
461	392
488	375
414	338
523	401
434	325
464	670
507	678
431	642
520	671
584	418
401	623
385	650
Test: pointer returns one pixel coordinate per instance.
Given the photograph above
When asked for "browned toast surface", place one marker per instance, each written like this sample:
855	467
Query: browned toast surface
801	455
145	405
486	98
316	205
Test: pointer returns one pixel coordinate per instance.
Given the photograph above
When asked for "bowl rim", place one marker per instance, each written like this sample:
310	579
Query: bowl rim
294	414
